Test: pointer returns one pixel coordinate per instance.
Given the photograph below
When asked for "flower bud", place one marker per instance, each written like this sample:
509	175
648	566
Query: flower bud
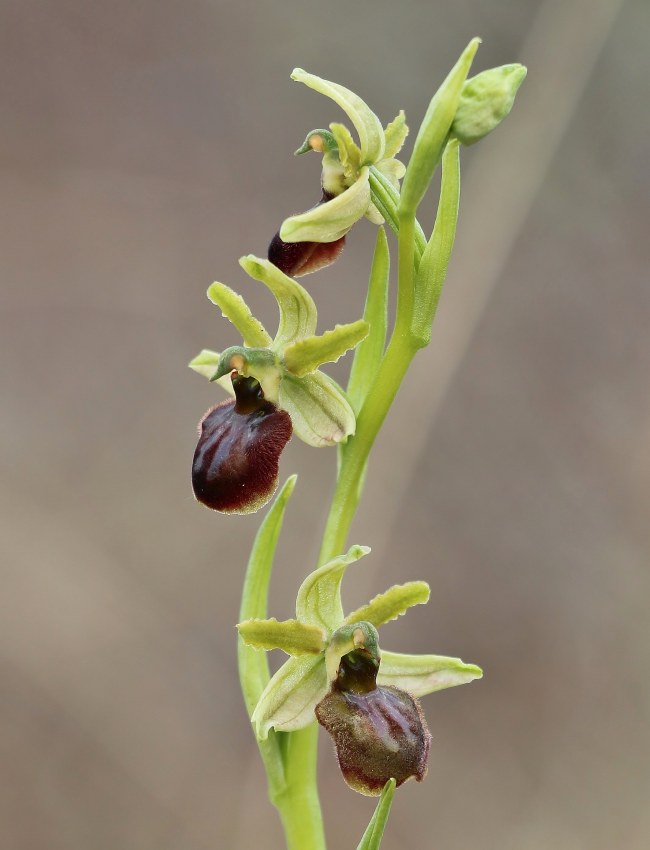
485	101
235	466
379	733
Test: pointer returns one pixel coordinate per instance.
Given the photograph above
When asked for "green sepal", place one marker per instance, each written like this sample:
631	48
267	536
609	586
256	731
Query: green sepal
366	123
206	363
369	353
395	134
298	314
348	152
485	101
319	598
330	221
432	135
290	636
375	829
289	699
432	270
392	603
320	413
357	635
308	354
423	674
326	145
234	308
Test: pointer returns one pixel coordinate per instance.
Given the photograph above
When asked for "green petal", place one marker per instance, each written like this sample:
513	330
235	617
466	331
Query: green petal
366	123
368	355
423	674
319	597
348	153
432	135
373	834
330	221
395	134
289	699
298	314
432	269
234	308
392	604
307	355
320	413
290	636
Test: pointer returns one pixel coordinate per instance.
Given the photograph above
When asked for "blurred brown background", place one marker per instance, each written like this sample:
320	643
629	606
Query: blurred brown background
146	146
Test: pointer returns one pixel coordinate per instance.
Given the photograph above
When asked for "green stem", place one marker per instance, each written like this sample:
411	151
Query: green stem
394	366
298	802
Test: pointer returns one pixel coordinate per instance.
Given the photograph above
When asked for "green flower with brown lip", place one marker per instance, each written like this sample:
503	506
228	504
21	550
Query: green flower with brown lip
379	696
313	239
278	387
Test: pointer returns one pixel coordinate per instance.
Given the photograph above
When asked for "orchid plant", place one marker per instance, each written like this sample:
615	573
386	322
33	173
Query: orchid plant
337	676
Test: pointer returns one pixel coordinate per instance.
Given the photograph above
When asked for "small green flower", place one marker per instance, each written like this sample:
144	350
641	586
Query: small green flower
345	176
321	635
286	367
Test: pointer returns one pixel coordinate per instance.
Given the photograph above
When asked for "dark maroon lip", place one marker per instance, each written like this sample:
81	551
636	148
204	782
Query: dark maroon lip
235	465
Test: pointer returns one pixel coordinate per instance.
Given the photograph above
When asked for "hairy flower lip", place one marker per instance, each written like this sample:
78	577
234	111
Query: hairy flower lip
235	464
378	735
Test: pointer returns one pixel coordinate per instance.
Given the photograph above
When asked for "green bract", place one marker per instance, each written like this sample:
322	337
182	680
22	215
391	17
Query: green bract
346	165
287	367
321	635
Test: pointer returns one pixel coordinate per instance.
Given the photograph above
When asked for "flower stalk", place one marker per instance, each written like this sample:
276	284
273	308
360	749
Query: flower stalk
337	672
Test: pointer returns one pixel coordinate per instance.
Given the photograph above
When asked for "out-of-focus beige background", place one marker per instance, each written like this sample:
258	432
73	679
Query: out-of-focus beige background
147	145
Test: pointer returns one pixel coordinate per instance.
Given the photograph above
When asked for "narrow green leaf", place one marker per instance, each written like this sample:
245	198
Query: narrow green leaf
432	269
254	672
298	314
392	604
424	674
432	136
319	597
373	834
367	357
329	221
289	699
234	308
253	666
290	636
366	123
320	413
308	354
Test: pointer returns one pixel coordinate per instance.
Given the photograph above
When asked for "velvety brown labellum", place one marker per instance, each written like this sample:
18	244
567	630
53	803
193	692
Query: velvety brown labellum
379	733
299	258
235	467
378	736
